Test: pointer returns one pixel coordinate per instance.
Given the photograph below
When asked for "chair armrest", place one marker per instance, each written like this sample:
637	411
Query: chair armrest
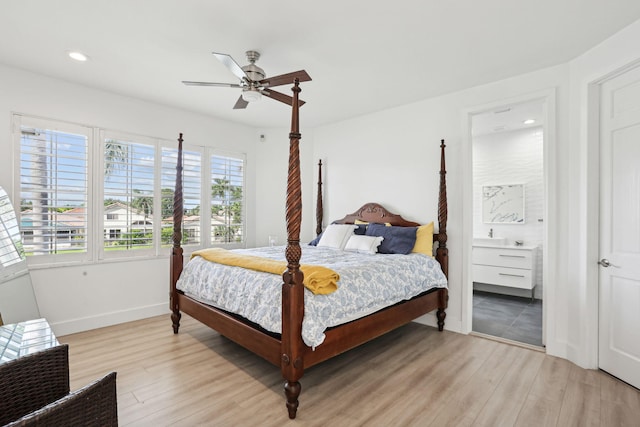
30	382
94	405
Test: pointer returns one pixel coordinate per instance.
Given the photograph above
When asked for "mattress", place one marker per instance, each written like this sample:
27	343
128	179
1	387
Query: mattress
368	283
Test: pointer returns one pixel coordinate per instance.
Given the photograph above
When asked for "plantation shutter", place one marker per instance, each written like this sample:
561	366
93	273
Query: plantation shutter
191	190
53	191
129	169
227	195
11	251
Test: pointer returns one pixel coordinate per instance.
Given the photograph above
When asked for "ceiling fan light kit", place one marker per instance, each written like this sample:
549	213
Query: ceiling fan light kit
253	80
251	95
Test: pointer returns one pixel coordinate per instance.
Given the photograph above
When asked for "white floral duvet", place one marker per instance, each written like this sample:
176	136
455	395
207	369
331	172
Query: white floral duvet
367	284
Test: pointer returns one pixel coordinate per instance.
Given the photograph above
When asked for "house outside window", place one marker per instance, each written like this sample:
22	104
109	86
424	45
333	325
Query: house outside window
227	199
129	178
53	186
60	162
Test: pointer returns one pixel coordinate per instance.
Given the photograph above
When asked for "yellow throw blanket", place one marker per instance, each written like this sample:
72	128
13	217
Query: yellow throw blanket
318	279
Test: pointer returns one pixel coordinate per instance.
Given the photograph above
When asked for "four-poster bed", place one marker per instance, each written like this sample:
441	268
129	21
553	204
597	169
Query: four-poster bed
287	349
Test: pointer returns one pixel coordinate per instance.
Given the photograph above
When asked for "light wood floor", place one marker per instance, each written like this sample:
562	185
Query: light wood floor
415	376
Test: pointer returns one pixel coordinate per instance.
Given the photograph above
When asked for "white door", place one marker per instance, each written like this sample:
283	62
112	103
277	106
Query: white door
619	317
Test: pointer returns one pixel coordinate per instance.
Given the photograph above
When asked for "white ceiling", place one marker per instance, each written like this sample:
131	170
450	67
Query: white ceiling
363	56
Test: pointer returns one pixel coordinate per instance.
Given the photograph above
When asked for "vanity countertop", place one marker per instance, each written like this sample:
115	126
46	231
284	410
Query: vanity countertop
522	248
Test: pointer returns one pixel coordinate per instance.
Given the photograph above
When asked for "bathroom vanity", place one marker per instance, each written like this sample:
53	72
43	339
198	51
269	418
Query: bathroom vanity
503	265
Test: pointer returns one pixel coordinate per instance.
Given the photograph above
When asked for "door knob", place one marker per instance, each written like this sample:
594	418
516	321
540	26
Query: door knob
605	263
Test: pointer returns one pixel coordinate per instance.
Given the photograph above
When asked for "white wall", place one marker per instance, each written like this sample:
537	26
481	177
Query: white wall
272	156
94	295
392	157
581	157
514	157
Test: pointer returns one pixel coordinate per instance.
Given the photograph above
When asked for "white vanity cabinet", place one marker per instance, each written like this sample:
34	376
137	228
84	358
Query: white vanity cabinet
512	266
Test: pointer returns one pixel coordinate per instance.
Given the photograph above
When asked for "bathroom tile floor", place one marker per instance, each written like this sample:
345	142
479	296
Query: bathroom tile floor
505	316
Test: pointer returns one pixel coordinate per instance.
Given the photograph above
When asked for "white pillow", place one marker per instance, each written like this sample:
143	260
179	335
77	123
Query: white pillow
364	244
337	235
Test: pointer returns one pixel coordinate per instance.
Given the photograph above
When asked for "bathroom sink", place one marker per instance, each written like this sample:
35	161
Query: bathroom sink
493	241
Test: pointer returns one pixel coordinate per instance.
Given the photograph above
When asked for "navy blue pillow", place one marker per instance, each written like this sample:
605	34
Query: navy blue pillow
397	240
315	241
361	230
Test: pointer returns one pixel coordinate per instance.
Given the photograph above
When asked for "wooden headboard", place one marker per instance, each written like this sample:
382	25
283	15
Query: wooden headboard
374	212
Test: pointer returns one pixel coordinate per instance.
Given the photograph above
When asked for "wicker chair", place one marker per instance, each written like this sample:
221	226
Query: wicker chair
34	391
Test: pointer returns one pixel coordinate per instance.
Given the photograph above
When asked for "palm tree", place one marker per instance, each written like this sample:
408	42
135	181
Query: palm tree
142	203
42	166
37	143
230	207
167	202
115	156
41	238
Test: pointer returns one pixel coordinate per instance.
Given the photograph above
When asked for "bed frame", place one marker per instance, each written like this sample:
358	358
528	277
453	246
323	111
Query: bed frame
287	350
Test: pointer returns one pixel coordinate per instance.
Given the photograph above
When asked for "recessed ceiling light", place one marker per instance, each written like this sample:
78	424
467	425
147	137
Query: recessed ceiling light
529	122
78	56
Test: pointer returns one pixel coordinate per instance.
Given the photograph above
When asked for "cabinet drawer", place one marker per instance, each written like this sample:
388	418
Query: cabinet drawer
512	277
504	257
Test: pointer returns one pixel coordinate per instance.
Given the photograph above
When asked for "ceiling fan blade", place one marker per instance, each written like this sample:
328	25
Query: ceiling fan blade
240	104
284	79
189	83
281	97
231	64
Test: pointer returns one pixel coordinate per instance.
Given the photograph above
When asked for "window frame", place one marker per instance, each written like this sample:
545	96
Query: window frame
19	121
204	195
96	237
129	138
237	156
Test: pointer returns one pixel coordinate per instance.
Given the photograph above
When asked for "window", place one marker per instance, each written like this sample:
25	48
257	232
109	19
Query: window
91	194
128	193
11	249
53	184
191	193
227	182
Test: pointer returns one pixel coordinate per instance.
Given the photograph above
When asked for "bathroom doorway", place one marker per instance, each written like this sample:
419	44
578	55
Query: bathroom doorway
508	229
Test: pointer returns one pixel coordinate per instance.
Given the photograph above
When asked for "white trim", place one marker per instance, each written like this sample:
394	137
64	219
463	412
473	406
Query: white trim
62	127
590	171
548	96
157	199
107	319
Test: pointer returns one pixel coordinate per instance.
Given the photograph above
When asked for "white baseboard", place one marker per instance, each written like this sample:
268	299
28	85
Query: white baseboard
107	319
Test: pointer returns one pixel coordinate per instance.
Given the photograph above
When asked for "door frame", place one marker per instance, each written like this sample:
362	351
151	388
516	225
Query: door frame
591	227
548	98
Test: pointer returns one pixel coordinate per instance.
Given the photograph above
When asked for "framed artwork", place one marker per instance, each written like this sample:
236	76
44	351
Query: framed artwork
503	204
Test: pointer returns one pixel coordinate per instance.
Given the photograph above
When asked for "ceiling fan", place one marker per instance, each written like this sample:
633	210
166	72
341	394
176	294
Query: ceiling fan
253	82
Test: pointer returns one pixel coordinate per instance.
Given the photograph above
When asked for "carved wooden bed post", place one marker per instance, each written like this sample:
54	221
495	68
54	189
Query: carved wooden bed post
319	207
176	251
292	365
442	253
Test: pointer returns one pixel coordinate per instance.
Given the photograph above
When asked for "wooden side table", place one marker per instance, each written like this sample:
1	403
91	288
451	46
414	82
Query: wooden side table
23	338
